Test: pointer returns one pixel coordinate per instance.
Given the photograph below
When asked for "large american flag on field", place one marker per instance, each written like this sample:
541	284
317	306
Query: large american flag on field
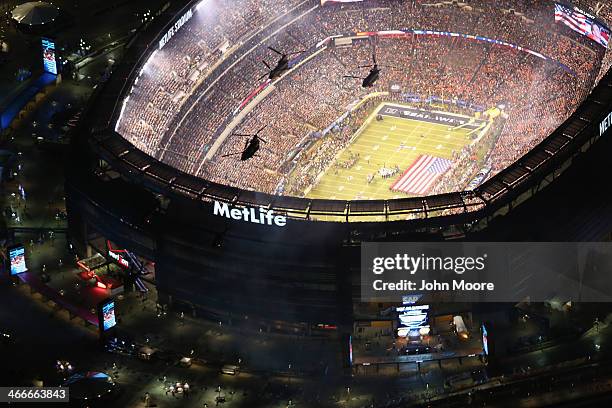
580	22
421	175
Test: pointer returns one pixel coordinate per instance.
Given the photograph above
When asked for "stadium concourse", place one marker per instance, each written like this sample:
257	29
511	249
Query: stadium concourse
525	74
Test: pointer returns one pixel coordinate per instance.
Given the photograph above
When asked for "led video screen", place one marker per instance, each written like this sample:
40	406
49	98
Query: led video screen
49	60
108	315
17	259
582	23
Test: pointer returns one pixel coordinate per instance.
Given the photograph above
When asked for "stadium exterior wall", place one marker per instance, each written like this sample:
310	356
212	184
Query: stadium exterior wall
305	271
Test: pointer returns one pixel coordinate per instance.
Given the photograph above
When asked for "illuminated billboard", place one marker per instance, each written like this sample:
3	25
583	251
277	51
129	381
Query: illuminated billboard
117	255
107	315
17	259
583	23
413	320
49	60
485	340
350	350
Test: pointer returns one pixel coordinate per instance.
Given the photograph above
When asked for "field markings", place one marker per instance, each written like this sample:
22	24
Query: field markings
379	146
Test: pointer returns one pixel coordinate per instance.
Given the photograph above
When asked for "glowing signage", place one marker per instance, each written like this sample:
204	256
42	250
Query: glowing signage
119	259
175	28
485	340
263	216
49	61
413	320
107	318
605	124
411	308
411	299
17	259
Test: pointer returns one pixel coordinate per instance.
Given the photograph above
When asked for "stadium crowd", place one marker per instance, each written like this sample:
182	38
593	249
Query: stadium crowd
189	91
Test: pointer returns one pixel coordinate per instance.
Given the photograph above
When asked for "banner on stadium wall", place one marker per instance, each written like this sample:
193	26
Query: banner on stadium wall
479	179
175	28
252	95
440	118
414	98
335	123
343	42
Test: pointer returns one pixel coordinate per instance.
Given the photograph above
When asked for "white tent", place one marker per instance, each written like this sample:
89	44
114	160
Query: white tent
35	13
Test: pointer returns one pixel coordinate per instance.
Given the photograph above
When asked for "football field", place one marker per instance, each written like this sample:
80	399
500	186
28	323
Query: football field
394	143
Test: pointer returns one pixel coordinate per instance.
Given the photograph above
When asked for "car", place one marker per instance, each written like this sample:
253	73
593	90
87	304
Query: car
230	369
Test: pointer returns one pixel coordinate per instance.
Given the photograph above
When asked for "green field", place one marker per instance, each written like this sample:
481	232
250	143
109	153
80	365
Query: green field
378	146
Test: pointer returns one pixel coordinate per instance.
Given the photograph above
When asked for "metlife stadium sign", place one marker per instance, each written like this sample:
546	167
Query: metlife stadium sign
175	28
605	124
249	214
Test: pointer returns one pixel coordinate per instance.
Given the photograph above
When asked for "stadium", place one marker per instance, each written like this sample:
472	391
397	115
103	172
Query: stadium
482	111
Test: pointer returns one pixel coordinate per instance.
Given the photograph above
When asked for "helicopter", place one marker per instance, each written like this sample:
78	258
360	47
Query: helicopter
372	76
251	145
281	67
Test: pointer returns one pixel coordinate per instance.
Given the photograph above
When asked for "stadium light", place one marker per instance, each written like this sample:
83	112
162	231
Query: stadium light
201	4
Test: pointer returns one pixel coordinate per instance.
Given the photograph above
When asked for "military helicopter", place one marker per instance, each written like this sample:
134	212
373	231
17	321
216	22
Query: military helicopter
374	73
372	76
251	145
281	67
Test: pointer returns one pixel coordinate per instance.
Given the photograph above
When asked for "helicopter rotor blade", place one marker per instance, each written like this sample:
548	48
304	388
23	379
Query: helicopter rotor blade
266	64
365	66
259	131
276	51
352	76
374	57
241	134
231	154
263	140
263	76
